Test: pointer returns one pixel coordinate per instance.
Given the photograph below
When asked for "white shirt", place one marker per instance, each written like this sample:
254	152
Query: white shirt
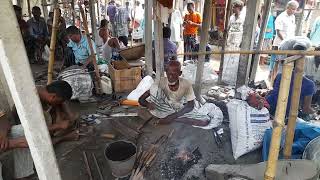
235	30
106	51
175	26
286	25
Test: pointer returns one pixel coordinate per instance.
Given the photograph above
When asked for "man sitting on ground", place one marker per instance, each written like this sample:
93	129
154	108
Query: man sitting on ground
111	46
173	99
80	47
59	119
39	32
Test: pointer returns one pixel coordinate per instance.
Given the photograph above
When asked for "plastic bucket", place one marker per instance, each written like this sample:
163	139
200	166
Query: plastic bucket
312	151
121	156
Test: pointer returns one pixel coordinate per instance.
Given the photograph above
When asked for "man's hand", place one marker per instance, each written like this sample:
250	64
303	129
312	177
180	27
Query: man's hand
4	142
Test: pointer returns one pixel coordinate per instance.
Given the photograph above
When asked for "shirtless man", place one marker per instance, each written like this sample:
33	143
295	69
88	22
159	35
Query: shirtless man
173	99
59	119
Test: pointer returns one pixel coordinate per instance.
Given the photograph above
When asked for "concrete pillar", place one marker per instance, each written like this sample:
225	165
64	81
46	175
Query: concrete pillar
93	18
158	39
22	87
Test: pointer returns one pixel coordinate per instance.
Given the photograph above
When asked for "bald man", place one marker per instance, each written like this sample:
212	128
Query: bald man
173	100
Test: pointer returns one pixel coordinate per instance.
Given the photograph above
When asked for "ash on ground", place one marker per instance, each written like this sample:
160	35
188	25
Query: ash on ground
179	162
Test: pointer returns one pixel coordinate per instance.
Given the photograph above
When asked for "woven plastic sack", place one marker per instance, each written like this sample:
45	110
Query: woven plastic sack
80	81
247	127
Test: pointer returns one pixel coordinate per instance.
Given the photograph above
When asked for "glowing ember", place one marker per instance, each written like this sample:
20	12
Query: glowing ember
184	155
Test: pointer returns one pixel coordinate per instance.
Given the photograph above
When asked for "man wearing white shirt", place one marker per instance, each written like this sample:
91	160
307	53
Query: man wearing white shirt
285	23
285	26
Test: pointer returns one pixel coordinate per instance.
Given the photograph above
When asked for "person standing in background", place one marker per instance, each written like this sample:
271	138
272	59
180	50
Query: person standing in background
111	12
192	22
315	33
235	32
285	26
39	32
122	23
268	37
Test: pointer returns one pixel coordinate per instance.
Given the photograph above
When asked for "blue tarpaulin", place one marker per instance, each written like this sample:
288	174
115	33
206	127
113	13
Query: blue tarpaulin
303	134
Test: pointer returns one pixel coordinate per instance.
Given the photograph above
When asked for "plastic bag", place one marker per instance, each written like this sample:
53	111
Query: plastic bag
190	70
142	87
46	53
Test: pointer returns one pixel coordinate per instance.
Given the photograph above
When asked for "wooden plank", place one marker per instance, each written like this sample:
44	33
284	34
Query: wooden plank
93	19
18	75
148	35
204	35
225	34
265	19
158	37
249	28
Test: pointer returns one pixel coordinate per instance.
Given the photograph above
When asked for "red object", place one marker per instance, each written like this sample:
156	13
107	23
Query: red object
258	102
166	3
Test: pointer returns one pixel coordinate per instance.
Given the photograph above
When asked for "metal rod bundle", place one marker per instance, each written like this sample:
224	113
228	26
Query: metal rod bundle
146	158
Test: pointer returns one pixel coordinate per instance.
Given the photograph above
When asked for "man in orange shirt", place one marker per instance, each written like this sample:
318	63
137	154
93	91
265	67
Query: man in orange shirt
192	22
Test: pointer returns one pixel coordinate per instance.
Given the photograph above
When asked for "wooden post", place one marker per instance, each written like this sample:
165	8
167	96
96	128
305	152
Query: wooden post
134	18
295	100
249	28
148	35
279	121
225	37
73	13
158	39
93	55
16	67
105	8
204	35
53	45
265	19
300	22
98	11
93	19
29	8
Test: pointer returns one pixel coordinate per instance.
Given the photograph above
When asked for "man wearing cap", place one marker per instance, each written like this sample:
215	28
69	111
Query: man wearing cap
308	86
285	26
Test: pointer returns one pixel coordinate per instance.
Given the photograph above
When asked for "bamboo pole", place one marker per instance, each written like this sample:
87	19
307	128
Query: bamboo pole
93	56
225	36
204	35
29	8
53	44
271	168
276	52
295	100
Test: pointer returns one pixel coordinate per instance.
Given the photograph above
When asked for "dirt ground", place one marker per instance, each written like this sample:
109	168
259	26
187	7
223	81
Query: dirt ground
185	138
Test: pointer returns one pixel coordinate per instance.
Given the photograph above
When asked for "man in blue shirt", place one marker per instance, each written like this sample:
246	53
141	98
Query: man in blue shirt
308	87
80	47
